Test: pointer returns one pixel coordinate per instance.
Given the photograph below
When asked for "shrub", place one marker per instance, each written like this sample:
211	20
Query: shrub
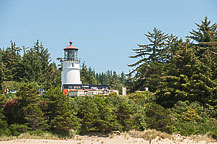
213	133
60	116
3	123
157	117
142	98
89	115
150	134
192	118
185	128
17	129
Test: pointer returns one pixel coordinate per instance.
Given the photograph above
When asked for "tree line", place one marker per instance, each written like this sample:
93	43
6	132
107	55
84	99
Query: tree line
111	78
28	64
178	70
34	64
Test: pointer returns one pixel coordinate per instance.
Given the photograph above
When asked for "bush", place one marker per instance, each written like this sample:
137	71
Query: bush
17	129
37	133
185	128
3	123
193	118
142	98
157	117
213	133
129	114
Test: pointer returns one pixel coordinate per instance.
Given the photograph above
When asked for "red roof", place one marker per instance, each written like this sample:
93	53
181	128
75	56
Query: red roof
70	47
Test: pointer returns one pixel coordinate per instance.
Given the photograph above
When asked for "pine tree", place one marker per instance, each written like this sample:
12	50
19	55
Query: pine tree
188	78
107	121
36	66
3	122
125	115
206	33
153	51
2	71
152	56
84	74
89	115
60	116
11	59
175	86
28	107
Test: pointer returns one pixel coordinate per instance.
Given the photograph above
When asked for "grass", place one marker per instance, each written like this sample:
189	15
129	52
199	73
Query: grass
29	136
153	134
42	135
150	135
205	138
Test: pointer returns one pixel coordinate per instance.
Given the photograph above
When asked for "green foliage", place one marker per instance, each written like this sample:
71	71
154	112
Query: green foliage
142	98
129	114
190	115
112	113
108	121
153	52
125	115
152	60
3	122
111	78
188	78
181	76
87	75
28	107
35	65
35	117
191	128
192	118
157	117
11	85
205	33
60	116
17	129
89	113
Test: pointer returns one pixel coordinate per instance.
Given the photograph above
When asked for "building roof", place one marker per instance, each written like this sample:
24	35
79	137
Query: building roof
70	47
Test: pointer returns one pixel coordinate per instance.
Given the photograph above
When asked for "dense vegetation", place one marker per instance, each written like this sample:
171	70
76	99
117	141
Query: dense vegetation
181	77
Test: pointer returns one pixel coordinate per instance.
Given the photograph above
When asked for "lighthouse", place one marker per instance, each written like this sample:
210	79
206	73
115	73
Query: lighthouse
70	66
70	76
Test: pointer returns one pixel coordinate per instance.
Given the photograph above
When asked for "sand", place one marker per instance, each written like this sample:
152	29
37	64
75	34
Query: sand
117	139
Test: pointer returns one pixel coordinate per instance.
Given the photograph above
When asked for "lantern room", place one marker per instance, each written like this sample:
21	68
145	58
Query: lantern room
71	53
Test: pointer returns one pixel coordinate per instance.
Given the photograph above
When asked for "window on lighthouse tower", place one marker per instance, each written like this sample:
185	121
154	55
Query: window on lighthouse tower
70	55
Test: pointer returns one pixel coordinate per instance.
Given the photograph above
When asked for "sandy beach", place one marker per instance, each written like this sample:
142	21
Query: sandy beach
117	139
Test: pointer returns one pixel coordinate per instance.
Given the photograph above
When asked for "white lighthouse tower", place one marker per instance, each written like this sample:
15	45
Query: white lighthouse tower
70	66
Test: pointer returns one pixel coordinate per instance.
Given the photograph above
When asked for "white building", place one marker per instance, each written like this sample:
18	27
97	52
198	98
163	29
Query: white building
70	66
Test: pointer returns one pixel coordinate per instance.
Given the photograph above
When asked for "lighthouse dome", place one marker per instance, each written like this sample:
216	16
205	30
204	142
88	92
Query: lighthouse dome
70	47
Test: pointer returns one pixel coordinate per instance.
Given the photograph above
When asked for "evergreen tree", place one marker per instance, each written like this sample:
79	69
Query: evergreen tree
2	72
28	107
153	51
37	66
152	56
157	117
89	115
3	122
11	59
206	33
188	78
107	121
175	86
88	75
60	117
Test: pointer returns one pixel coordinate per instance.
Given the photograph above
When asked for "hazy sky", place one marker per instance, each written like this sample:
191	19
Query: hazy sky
105	31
